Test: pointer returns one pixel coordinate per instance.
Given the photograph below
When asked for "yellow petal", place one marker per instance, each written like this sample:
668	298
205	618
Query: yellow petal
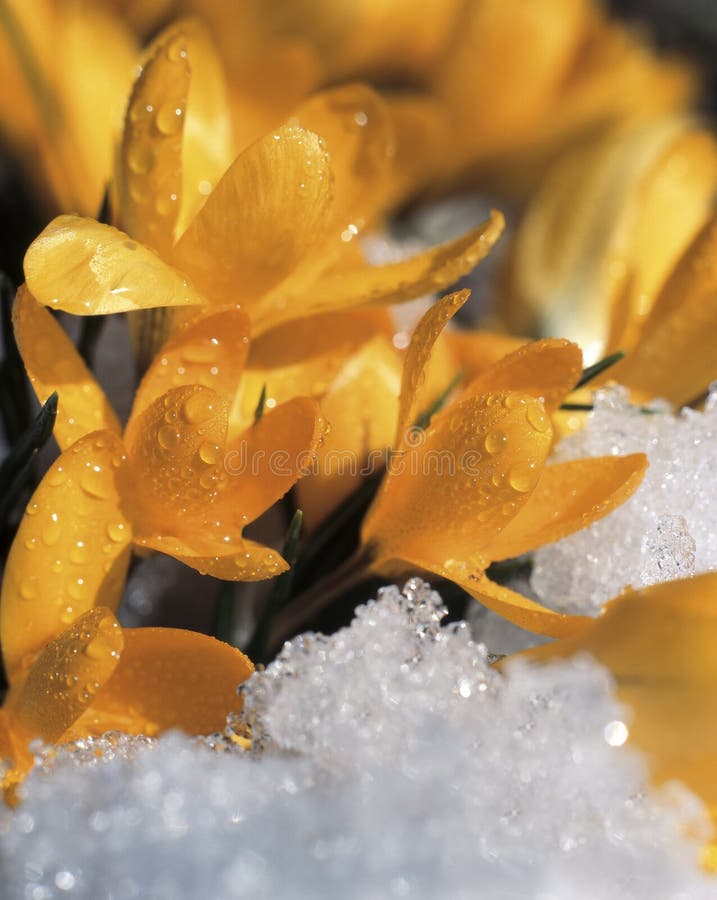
53	364
569	496
658	643
262	219
268	458
71	550
66	675
169	678
207	145
420	122
97	57
548	369
176	456
241	560
361	404
356	127
150	160
209	350
474	351
513	606
454	485
88	269
426	333
674	357
303	357
431	271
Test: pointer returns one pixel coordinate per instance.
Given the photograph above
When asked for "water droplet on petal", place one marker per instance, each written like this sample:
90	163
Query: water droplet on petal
198	407
170	118
495	441
168	437
538	418
523	477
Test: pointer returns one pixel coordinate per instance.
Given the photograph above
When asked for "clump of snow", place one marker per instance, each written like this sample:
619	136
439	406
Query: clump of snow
390	760
667	530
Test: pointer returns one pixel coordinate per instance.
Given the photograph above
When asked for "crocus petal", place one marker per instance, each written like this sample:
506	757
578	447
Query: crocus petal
434	270
674	357
150	162
207	146
209	350
424	337
88	269
355	124
420	124
266	214
569	496
268	458
66	675
548	369
454	485
475	351
169	678
302	358
658	643
361	404
53	364
513	606
71	550
241	560
176	456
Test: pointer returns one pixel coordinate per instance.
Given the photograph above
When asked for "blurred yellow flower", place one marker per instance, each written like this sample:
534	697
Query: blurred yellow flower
605	229
65	69
658	644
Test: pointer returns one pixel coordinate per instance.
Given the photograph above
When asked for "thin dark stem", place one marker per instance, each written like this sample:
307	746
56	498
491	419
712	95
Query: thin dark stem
303	608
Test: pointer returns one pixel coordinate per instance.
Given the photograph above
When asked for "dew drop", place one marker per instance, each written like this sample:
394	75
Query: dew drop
495	441
168	437
29	589
94	481
79	553
55	477
170	118
117	532
209	453
140	158
51	534
523	477
198	408
537	418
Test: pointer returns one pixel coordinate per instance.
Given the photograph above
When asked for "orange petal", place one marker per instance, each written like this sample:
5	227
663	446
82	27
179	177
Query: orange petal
150	161
419	351
170	678
66	675
303	357
514	607
361	404
88	269
569	496
240	560
456	484
674	357
262	219
268	458
659	644
548	369
53	364
420	123
176	458
356	127
474	351
209	350
207	145
71	550
434	270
